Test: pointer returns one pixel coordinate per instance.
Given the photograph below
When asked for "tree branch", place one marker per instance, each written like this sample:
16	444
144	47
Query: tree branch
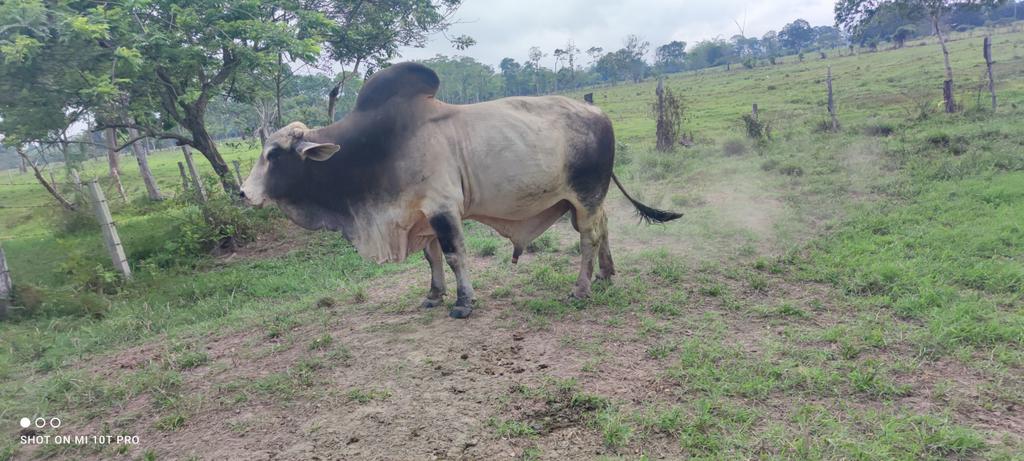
149	133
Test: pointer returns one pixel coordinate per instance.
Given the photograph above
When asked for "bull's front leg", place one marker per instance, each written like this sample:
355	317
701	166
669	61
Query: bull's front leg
436	260
448	228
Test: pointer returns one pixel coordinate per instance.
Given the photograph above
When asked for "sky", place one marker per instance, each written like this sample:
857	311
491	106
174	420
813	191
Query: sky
508	28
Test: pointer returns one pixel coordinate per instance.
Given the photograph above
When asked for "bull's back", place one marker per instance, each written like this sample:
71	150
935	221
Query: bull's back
520	153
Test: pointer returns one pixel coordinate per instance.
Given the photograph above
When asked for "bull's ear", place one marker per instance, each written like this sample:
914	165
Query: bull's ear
315	151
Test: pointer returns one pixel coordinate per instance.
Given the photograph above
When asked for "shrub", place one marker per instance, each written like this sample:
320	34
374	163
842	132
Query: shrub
790	169
769	165
734	147
219	225
75	222
41	301
879	129
757	129
84	273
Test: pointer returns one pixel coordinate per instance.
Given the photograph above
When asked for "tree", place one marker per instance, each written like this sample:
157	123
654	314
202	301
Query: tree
709	53
595	53
568	53
770	45
151	66
634	51
670	57
369	33
852	14
511	74
902	34
796	35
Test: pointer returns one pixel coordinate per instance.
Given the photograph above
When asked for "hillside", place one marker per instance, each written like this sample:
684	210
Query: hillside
826	296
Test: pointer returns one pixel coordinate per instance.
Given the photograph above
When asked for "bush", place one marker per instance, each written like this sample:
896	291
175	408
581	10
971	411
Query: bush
75	222
220	224
36	300
83	272
758	130
791	170
879	129
734	147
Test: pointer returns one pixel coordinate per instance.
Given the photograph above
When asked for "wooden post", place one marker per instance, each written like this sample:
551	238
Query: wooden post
6	286
197	182
831	101
110	237
753	112
987	50
184	177
238	171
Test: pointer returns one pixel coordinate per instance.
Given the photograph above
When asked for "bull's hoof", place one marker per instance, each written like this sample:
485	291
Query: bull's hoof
461	310
429	302
580	293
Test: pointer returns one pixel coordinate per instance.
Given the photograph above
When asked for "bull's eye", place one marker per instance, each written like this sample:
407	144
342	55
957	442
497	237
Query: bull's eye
274	153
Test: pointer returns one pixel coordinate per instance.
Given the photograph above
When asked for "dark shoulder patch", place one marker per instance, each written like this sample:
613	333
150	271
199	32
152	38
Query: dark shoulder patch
405	80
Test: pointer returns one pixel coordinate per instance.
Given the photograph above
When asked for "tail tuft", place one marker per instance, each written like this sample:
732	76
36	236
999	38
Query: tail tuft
647	214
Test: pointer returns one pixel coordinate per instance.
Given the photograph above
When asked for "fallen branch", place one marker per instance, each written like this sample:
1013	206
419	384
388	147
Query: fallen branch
49	187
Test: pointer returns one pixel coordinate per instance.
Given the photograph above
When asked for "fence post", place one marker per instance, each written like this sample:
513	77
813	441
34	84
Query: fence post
6	286
184	177
196	180
831	101
987	50
753	112
110	237
238	171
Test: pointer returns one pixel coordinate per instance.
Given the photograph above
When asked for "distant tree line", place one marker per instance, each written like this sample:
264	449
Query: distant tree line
466	80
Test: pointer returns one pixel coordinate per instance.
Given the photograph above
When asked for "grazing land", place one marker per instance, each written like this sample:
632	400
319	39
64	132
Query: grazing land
850	295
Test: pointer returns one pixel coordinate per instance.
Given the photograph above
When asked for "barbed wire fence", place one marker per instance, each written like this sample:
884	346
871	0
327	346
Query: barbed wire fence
90	195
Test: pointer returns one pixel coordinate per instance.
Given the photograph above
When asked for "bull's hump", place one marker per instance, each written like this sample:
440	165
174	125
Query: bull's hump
405	80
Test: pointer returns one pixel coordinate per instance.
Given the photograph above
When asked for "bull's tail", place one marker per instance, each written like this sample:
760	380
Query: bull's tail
646	213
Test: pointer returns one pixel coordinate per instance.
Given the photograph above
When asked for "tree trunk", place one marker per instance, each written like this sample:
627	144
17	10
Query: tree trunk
51	188
203	142
112	160
277	93
143	158
947	86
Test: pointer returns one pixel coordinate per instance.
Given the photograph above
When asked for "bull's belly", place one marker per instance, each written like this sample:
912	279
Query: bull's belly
515	205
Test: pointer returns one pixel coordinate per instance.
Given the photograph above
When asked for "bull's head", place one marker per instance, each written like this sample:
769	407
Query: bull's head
279	169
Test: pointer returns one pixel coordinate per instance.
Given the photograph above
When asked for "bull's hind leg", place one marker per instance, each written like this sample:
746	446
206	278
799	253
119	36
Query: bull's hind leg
449	235
436	260
604	252
591	225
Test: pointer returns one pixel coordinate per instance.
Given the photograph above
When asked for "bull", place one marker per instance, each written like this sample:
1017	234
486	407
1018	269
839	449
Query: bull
402	171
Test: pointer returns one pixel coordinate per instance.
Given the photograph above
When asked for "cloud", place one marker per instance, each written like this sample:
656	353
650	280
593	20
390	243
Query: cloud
508	28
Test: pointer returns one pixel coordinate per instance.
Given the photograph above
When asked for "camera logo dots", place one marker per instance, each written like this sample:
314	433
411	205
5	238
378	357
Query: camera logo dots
40	423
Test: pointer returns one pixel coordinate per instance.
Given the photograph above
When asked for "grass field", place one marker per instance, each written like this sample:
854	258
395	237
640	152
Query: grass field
851	295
